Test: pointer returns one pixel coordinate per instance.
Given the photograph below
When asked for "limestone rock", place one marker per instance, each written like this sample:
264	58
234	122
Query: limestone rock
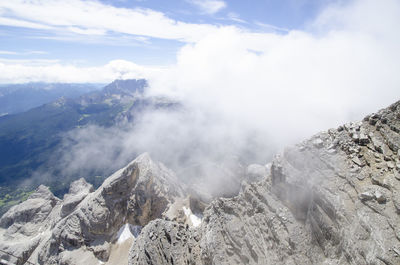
315	207
333	199
78	190
87	223
24	224
165	242
26	216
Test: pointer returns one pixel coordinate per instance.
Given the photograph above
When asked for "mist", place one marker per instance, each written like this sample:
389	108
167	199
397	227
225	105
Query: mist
246	95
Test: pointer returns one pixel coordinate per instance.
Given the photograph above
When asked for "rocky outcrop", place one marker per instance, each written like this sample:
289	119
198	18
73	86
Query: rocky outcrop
77	192
332	199
24	224
166	242
25	217
87	225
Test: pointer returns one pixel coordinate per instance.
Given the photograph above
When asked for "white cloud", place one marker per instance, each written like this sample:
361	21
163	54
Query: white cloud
298	83
34	52
92	17
270	27
346	65
86	31
8	53
22	71
106	39
235	17
21	53
250	93
209	6
28	62
21	23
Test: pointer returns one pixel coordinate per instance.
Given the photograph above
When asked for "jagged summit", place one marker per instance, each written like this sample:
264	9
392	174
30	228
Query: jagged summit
332	199
92	222
127	86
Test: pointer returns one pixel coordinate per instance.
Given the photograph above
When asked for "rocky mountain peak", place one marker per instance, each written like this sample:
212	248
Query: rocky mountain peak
28	218
331	199
78	190
79	186
42	192
92	220
128	86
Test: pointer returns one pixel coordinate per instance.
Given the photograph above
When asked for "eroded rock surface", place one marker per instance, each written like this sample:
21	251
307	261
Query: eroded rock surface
332	199
86	225
78	190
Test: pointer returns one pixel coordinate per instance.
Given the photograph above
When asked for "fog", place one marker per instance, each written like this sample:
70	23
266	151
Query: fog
245	95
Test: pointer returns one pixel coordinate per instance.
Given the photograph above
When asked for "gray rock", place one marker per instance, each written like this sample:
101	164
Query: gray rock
358	162
88	222
23	225
312	211
366	196
313	207
364	140
78	190
25	216
318	143
165	242
379	197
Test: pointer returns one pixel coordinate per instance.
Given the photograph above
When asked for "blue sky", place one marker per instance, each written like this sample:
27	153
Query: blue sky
39	39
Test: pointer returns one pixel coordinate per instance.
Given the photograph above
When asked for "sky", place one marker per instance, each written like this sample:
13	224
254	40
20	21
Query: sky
146	32
202	50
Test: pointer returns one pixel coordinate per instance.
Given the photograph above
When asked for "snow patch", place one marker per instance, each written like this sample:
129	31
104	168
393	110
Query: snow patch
196	220
128	231
124	234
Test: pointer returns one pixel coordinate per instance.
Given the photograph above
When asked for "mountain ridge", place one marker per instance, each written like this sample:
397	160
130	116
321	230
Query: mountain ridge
331	199
29	140
16	98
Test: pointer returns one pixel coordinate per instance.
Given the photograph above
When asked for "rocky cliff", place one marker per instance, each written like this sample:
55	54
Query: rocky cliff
332	199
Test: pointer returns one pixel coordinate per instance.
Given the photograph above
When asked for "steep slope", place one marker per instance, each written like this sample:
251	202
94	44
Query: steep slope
91	226
332	199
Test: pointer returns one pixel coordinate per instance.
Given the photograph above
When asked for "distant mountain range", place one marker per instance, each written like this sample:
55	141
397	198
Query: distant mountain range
29	140
15	98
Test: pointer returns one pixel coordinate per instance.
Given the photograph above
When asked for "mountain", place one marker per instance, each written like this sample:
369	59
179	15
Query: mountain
331	199
30	140
22	97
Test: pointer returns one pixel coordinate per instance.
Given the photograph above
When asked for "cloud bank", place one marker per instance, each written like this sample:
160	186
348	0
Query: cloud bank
292	85
42	70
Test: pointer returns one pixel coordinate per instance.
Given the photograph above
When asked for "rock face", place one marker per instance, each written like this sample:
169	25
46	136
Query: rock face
22	225
86	224
77	192
332	199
